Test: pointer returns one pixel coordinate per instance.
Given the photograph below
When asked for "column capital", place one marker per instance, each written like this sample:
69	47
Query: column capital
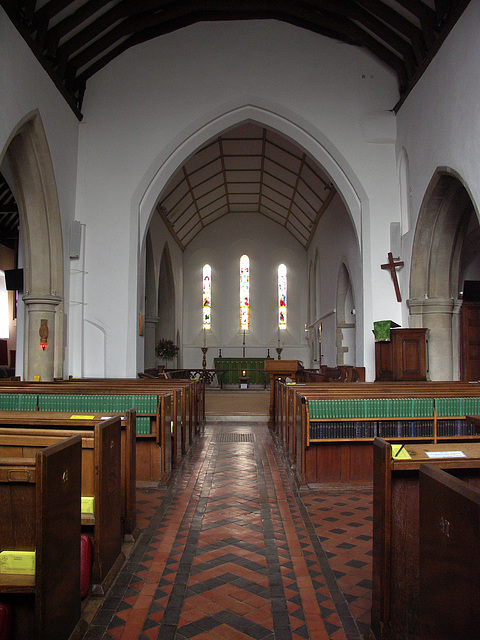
46	301
419	306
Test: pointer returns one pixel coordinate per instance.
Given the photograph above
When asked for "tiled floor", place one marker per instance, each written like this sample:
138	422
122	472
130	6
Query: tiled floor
232	551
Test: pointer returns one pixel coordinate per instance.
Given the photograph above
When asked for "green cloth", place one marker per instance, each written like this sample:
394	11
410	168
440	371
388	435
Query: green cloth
381	330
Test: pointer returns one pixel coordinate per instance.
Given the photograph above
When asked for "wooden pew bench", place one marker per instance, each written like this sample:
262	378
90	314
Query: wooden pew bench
154	414
339	423
84	422
40	511
100	479
396	541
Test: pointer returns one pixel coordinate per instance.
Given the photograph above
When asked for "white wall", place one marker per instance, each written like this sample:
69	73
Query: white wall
267	245
26	89
159	237
336	243
152	107
439	123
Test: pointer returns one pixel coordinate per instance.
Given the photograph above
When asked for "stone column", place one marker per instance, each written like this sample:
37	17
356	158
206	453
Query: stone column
438	315
39	356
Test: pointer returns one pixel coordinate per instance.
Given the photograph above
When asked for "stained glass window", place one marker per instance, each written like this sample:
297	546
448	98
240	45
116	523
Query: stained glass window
282	297
244	293
207	297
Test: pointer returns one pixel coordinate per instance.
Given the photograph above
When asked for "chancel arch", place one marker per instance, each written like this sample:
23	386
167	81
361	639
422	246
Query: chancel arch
34	185
446	216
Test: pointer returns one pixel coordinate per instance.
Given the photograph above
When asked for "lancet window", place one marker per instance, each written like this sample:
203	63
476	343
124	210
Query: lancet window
282	296
244	293
207	297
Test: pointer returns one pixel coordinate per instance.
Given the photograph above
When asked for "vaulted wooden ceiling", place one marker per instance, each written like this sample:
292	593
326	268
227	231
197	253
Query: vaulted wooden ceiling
73	39
248	169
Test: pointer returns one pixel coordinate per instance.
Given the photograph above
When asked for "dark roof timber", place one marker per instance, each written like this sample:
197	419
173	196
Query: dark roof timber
73	39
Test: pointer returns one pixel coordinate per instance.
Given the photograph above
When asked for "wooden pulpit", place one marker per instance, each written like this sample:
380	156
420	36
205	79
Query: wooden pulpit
280	369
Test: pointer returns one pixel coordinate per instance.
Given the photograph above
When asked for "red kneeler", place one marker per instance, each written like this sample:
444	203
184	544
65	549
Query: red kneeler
86	554
5	621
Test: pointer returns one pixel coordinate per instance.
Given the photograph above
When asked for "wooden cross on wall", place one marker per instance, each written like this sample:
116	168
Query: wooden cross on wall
391	265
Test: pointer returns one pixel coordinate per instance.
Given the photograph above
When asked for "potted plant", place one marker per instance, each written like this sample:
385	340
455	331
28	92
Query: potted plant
166	349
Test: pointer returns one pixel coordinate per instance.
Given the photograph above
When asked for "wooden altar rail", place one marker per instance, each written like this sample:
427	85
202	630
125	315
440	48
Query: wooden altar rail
344	459
340	373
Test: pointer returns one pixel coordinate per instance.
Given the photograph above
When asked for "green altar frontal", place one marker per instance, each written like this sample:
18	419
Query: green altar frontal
254	369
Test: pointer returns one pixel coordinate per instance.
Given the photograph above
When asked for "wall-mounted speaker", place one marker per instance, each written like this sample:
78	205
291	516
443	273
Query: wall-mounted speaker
395	239
75	238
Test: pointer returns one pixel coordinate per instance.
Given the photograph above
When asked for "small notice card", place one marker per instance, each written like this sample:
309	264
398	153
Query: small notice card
399	452
446	454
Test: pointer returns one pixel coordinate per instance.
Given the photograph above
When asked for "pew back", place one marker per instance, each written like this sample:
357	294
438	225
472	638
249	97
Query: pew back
40	511
100	478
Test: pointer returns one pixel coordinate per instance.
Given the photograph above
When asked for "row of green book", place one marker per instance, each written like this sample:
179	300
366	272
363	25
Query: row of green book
371	408
18	401
76	402
382	429
97	403
144	425
457	406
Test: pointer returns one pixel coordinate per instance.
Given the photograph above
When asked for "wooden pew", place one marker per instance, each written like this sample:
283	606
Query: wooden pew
395	594
40	511
348	459
449	531
154	449
84	422
100	478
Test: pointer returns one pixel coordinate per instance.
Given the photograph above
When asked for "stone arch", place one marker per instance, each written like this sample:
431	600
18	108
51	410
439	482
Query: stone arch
345	305
434	302
36	195
299	131
166	325
151	304
404	184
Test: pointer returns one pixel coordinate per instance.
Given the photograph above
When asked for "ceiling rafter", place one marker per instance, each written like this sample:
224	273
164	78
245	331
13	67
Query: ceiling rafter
278	180
74	39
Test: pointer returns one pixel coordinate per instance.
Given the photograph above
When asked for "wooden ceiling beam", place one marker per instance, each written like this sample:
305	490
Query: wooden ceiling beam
427	17
406	28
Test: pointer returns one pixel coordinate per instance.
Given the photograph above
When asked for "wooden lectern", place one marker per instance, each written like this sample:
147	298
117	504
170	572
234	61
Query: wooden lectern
280	369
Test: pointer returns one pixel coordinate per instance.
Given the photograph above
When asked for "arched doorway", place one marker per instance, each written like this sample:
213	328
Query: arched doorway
34	186
446	215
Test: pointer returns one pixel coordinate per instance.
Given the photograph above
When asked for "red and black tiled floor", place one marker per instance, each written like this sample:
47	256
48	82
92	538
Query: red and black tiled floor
232	551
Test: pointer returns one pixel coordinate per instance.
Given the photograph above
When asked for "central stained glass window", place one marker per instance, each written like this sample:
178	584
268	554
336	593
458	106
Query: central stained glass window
244	293
282	297
207	297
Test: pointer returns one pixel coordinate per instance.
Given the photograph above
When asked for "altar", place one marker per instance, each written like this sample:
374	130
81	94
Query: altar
236	368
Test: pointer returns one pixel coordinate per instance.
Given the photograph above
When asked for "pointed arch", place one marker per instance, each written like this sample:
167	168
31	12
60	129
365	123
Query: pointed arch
404	182
345	316
301	132
151	304
434	303
166	326
35	189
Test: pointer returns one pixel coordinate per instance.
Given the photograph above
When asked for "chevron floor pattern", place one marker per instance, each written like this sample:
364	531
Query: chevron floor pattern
232	551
